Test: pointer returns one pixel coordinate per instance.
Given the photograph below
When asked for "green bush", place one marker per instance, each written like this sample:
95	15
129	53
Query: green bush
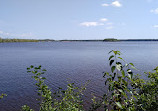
148	93
126	91
61	100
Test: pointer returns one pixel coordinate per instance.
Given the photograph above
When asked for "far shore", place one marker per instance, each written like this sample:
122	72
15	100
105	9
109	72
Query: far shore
51	40
107	40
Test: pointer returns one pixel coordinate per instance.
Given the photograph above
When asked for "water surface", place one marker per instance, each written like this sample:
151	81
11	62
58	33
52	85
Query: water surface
64	61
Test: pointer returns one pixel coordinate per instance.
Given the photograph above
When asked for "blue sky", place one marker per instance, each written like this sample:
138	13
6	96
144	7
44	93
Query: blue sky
79	19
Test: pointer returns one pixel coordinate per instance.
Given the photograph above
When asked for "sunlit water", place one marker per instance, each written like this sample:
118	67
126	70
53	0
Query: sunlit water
65	61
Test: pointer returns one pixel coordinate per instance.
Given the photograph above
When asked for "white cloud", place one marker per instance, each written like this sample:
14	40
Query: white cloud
100	22
88	24
103	19
114	4
154	11
105	5
155	26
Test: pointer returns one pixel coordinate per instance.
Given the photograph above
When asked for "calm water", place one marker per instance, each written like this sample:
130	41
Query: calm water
64	61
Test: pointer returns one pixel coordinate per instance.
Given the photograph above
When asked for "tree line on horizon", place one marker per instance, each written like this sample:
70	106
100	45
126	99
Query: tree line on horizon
23	40
2	40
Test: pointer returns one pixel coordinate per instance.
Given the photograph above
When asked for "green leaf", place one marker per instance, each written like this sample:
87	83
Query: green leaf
134	68
121	59
35	71
106	82
111	62
44	70
118	52
120	90
130	73
123	73
31	66
125	83
114	76
119	67
113	68
36	68
119	78
104	74
28	68
131	64
119	104
111	57
126	65
115	52
2	95
110	51
43	78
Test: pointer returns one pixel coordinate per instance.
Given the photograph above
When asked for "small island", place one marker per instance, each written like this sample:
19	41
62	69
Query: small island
110	40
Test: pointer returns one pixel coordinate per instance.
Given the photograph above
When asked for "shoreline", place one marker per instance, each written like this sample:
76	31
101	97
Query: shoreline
49	40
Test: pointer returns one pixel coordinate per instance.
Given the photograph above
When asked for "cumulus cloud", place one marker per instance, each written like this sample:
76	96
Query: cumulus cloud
155	26
154	11
114	4
88	24
103	19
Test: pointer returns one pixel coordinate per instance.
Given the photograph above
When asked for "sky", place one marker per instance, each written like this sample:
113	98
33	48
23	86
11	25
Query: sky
79	19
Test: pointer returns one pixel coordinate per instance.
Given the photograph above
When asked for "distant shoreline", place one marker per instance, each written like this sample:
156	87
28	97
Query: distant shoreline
51	40
117	40
24	40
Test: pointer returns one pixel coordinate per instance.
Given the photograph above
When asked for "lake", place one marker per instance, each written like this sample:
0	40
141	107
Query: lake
65	61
